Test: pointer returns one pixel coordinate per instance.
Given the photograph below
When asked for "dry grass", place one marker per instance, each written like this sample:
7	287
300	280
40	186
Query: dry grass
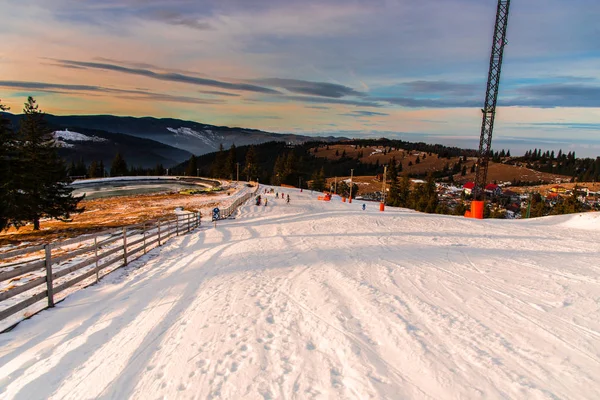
101	214
496	171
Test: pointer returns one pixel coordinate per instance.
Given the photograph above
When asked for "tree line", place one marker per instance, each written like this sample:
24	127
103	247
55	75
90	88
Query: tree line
561	163
34	180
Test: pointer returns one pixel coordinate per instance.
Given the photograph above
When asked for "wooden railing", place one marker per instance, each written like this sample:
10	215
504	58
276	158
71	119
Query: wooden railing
48	271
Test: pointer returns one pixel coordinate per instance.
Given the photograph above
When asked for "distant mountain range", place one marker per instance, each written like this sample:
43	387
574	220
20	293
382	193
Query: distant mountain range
175	140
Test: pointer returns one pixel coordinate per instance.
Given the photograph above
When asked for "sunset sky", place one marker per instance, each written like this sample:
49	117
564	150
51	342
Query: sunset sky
406	69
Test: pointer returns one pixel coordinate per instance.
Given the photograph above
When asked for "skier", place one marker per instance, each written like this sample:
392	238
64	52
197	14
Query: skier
364	206
277	195
288	198
266	200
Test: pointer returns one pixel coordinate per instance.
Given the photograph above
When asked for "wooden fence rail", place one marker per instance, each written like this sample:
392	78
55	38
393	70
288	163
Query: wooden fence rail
50	269
46	275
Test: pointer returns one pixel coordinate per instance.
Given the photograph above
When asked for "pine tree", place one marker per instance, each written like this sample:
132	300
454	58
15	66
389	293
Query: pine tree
93	170
230	163
8	159
118	166
192	167
278	170
392	176
251	164
44	184
318	181
217	169
404	191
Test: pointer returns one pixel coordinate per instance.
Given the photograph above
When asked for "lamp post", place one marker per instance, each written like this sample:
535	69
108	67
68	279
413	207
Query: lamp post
351	176
238	172
197	171
382	204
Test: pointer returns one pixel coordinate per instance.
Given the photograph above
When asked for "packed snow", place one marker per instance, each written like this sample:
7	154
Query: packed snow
69	136
316	299
207	136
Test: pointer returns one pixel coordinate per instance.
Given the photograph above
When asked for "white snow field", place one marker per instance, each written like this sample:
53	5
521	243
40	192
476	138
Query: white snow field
323	300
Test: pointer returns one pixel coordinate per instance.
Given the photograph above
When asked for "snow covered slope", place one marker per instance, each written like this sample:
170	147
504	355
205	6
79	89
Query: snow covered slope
323	300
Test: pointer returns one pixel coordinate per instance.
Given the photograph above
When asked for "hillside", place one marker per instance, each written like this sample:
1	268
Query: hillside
320	299
192	137
430	162
96	145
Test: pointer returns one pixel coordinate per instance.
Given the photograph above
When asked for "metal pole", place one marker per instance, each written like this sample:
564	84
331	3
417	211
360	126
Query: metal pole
383	187
351	176
125	244
49	275
335	186
144	232
238	172
96	255
197	171
159	233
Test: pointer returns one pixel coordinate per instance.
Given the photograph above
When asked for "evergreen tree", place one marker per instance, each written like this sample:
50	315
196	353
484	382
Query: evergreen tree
230	163
404	191
217	169
118	166
159	170
192	167
251	165
392	176
463	172
278	170
93	170
318	181
8	158
44	189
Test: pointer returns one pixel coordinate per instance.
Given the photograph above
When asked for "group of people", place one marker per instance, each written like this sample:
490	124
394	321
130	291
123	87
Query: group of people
283	196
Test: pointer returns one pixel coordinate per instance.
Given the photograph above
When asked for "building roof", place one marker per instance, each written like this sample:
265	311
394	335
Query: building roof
491	186
469	185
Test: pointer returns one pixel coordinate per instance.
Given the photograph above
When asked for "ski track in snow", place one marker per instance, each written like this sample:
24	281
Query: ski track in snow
323	300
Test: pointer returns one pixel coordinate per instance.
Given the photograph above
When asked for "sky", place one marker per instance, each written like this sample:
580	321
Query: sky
414	70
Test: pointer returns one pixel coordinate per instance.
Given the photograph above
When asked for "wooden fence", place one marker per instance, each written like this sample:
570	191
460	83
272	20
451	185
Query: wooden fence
50	269
47	271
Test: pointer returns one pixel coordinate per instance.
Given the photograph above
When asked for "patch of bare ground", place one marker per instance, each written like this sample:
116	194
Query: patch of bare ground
592	186
510	173
106	213
498	172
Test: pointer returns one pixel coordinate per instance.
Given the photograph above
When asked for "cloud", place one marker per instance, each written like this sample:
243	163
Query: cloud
318	107
441	87
362	113
121	93
323	89
171	76
177	18
325	100
410	102
557	95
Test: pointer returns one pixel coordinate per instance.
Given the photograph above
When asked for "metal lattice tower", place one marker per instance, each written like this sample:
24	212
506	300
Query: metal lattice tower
491	96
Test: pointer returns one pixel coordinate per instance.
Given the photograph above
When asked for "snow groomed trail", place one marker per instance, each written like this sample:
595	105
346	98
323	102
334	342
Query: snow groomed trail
323	300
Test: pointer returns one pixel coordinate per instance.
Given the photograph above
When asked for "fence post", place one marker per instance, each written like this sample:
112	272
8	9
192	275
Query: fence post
159	232
96	255
125	244
49	275
144	237
177	224
199	218
189	220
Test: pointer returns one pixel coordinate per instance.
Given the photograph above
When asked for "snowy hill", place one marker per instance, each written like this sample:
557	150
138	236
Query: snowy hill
65	138
323	300
188	136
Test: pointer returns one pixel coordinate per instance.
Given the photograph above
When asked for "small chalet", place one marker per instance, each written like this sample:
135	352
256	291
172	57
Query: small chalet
494	189
468	187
